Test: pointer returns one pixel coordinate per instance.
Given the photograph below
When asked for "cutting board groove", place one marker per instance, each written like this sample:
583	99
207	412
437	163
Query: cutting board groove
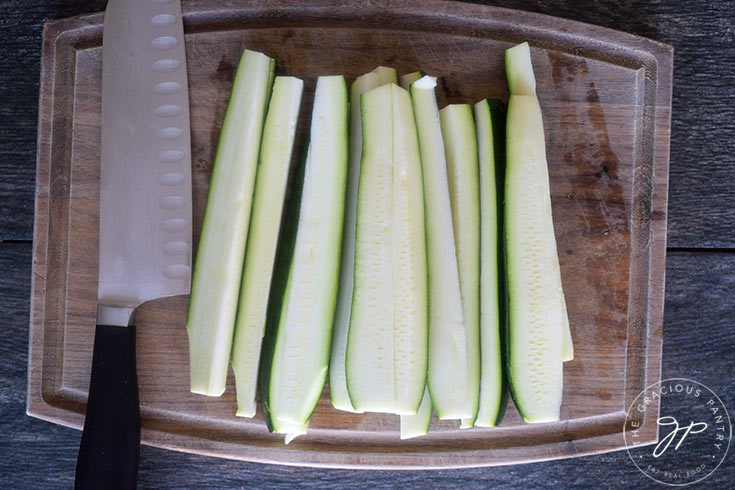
606	99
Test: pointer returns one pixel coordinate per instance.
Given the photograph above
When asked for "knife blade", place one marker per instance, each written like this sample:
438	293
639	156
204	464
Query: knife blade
145	231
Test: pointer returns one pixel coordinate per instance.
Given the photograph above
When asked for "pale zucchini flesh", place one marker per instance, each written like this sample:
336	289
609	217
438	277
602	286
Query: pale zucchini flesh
369	364
270	191
534	298
417	424
337	381
489	122
522	81
299	352
387	340
407	79
448	355
278	298
410	288
221	251
534	294
460	145
386	74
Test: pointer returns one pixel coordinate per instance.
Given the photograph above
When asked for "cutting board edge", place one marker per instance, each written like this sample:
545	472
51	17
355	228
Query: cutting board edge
660	52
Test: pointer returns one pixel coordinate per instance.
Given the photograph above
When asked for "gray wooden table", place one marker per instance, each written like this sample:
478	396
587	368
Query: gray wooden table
699	325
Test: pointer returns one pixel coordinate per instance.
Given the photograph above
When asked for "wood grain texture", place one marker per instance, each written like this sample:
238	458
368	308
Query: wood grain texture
37	454
606	100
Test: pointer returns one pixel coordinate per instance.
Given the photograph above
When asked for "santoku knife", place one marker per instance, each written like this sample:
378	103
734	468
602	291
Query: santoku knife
145	219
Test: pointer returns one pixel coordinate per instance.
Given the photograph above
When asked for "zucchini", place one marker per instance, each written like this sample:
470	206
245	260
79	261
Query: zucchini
522	81
534	294
337	380
460	146
221	252
300	319
417	424
489	122
387	340
409	78
448	349
265	220
279	286
386	75
519	70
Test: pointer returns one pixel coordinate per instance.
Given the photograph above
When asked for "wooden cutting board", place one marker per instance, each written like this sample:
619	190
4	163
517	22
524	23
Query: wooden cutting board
606	100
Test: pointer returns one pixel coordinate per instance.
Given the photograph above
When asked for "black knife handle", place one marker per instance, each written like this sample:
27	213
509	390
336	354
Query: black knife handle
108	453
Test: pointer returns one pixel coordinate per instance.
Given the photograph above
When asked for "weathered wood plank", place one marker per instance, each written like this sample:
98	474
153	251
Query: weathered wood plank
33	454
20	38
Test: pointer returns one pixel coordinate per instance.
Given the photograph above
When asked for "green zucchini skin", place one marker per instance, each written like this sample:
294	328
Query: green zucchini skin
299	352
284	258
490	413
497	116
